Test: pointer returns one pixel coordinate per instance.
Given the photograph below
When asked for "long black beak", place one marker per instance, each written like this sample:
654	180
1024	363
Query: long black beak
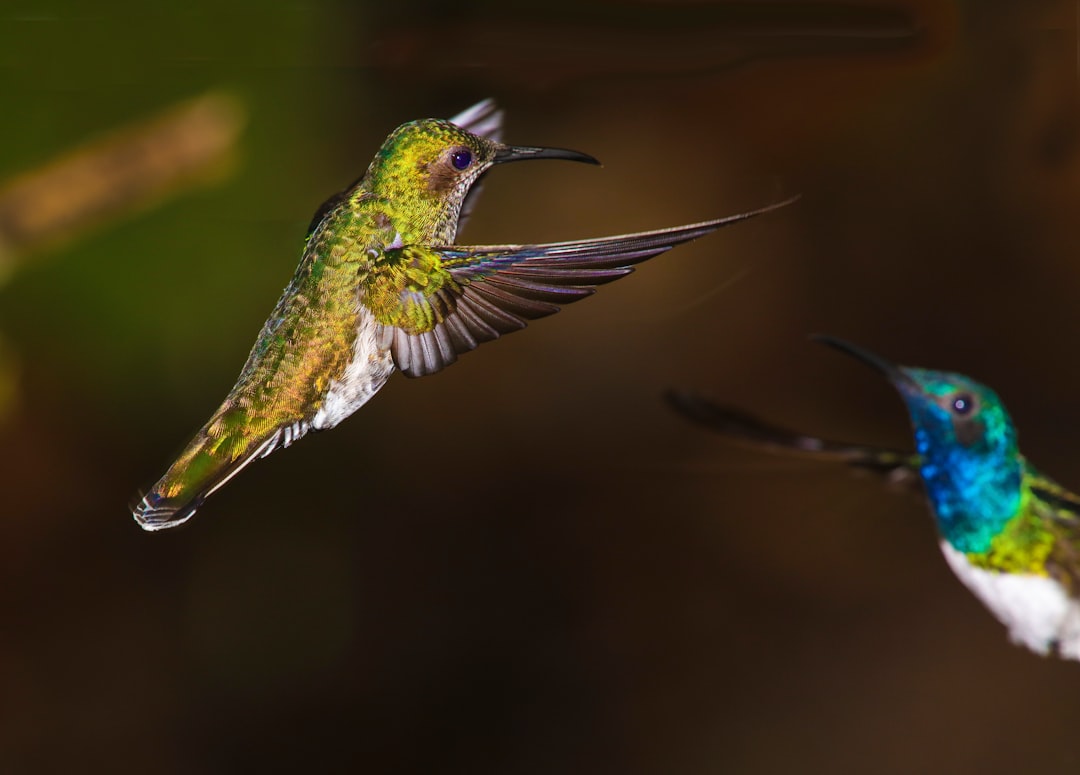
895	374
524	153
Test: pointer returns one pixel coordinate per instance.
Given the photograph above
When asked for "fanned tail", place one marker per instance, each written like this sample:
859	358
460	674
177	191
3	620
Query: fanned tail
219	451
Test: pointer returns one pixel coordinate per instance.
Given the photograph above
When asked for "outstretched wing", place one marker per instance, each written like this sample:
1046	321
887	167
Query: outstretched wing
901	468
450	299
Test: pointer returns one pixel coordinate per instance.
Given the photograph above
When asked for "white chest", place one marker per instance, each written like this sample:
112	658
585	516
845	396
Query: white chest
371	365
1036	609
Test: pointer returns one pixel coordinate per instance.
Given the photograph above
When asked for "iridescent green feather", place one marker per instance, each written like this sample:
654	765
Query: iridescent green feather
381	286
1025	543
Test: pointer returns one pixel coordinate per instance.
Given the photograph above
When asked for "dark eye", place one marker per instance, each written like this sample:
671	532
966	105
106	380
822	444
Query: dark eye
461	159
962	404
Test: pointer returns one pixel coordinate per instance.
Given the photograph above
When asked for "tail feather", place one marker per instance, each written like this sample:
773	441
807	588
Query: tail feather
205	465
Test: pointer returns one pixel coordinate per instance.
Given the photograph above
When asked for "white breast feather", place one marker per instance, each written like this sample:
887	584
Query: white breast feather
370	367
1036	609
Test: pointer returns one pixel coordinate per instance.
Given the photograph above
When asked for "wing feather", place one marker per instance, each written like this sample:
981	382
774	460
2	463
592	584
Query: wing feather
895	465
491	290
1059	509
507	297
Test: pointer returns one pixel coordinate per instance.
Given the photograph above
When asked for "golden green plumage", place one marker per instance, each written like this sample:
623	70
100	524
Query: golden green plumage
407	195
381	287
1024	544
397	286
413	183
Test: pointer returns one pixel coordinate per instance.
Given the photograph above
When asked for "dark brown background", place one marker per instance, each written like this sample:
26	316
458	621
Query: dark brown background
527	564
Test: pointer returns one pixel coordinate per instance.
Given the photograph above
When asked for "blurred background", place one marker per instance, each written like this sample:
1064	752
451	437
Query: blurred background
527	563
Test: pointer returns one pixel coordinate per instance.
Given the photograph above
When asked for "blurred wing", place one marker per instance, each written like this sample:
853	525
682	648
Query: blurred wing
1060	510
1064	505
898	467
486	120
493	290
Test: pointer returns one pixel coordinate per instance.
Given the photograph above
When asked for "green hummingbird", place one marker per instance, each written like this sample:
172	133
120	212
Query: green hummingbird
1010	533
381	286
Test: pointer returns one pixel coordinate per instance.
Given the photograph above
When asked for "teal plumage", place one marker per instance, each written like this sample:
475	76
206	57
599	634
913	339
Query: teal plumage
1010	533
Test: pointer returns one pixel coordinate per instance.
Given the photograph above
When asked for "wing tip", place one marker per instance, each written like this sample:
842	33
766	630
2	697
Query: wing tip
688	403
484	118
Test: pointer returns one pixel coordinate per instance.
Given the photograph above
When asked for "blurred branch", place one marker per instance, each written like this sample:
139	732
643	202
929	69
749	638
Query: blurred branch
604	39
109	178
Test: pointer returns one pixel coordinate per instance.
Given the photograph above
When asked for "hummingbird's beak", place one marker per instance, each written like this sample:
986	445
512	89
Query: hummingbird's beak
507	153
895	374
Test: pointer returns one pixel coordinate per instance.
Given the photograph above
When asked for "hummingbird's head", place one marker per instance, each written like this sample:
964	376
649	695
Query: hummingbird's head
970	462
428	167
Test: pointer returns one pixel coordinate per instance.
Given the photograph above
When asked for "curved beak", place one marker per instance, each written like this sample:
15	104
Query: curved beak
895	374
507	153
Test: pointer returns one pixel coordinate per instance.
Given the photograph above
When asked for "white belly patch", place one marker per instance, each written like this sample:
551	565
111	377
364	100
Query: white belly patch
370	367
1036	609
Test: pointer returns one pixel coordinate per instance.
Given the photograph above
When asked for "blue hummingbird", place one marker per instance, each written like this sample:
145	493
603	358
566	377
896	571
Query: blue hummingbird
1009	533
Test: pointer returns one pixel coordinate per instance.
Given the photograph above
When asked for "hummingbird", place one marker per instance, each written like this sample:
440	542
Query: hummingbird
1009	532
381	287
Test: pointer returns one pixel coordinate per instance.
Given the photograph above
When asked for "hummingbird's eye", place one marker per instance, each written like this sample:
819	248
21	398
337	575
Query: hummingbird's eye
962	404
461	158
